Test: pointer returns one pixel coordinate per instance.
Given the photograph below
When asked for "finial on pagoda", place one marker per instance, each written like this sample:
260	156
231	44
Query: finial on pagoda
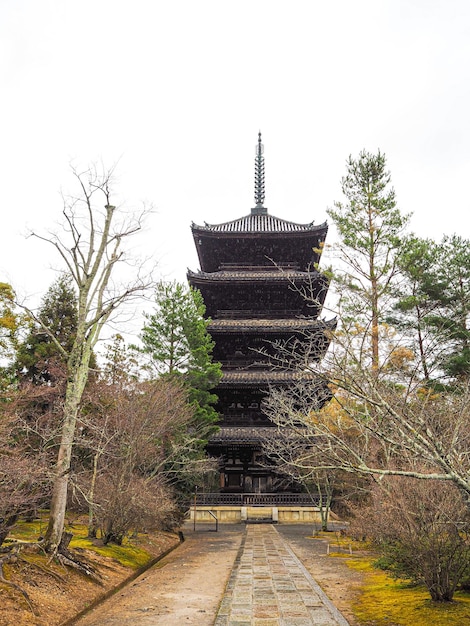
259	179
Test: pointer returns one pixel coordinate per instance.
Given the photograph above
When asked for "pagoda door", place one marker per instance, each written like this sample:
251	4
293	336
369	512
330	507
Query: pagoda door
260	484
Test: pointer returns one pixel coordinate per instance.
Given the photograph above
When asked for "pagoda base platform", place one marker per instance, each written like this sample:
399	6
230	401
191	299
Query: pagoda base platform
233	514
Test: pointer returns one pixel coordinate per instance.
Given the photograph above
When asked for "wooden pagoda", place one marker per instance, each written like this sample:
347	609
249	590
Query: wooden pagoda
254	272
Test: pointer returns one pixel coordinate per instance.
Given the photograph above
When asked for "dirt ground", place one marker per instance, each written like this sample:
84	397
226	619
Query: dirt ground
185	587
57	594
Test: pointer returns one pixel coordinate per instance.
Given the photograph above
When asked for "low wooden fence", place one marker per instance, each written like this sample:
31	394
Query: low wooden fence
256	499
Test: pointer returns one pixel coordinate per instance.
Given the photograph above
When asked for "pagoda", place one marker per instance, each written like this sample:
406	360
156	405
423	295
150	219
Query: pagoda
254	274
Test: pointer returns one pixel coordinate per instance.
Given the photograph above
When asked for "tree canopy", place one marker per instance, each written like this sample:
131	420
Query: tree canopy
370	227
177	344
51	335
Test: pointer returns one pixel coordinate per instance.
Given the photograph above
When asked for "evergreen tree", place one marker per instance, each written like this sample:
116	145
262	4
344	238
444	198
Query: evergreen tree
451	319
370	228
176	342
434	303
413	306
39	359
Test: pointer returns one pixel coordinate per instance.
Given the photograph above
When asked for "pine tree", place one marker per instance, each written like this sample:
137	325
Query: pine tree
39	359
176	342
370	227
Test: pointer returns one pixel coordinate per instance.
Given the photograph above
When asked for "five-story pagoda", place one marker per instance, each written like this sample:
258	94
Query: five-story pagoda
254	273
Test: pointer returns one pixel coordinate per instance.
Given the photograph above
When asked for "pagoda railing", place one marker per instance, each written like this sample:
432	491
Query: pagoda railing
256	499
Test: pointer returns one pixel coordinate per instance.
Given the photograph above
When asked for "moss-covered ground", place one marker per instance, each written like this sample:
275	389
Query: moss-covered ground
384	601
129	554
57	593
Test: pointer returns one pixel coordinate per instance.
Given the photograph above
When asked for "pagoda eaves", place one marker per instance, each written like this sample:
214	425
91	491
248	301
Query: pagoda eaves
259	281
261	240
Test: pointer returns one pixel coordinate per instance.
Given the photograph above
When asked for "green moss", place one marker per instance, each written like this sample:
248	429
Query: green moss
30	531
342	541
384	601
128	555
360	564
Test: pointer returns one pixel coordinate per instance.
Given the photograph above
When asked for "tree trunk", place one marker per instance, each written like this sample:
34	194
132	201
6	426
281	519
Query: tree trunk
7	525
73	395
91	497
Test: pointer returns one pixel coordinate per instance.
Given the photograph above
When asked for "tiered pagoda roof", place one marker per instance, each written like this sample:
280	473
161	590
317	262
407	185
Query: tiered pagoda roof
264	240
255	223
243	435
261	289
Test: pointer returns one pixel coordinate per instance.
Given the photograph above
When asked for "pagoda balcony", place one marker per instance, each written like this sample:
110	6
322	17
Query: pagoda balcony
244	419
257	499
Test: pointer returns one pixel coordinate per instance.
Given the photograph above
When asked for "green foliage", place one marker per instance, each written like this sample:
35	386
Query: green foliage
369	224
369	218
11	323
450	289
413	305
176	340
370	228
177	344
44	352
434	303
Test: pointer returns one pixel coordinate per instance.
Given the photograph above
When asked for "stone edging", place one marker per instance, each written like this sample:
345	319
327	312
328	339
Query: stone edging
338	616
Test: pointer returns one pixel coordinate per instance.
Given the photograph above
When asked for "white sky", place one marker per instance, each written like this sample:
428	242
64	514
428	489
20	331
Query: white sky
176	90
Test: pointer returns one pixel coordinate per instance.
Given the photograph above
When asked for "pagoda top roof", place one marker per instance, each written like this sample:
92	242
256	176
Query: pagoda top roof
259	223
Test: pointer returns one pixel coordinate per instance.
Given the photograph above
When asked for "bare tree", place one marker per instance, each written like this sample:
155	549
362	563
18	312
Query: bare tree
138	439
23	482
383	422
421	531
370	228
91	246
388	416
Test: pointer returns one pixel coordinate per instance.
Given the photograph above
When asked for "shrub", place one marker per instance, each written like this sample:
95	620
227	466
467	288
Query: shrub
422	532
140	505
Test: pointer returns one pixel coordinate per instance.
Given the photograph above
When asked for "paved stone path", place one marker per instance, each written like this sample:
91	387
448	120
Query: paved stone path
238	576
269	586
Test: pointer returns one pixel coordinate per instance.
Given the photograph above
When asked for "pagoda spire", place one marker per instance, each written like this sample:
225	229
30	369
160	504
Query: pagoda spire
259	209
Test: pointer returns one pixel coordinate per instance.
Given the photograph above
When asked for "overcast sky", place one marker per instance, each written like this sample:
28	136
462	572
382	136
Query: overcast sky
177	90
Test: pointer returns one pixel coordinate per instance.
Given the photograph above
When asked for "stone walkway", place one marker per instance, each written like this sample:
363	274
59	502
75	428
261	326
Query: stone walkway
269	586
238	576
